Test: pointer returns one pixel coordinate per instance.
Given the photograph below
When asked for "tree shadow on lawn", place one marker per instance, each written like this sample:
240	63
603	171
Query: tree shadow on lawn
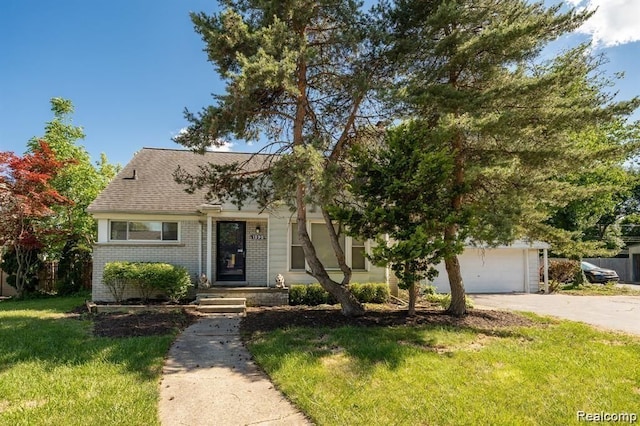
384	336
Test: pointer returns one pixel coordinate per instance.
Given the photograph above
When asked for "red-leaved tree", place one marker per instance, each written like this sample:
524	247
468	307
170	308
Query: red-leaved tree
26	198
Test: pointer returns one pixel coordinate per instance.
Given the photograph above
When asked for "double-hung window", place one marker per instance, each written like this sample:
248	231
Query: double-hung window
143	231
354	249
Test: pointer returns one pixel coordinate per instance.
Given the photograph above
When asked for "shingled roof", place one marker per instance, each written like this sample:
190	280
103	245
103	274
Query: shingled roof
146	183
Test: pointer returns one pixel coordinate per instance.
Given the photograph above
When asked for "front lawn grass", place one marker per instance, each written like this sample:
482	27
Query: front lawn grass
54	372
441	375
608	289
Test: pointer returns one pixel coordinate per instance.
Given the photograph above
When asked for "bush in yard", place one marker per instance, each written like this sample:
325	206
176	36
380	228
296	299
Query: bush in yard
554	286
314	294
173	281
297	294
117	277
370	292
147	277
564	271
444	300
428	289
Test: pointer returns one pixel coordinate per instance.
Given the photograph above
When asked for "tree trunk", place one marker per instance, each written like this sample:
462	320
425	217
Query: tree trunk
20	272
458	305
413	296
337	249
350	306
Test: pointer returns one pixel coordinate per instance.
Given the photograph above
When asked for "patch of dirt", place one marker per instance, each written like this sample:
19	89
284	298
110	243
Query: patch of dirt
259	319
147	323
272	318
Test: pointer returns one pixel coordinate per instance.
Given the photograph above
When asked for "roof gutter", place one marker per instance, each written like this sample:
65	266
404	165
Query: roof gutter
210	208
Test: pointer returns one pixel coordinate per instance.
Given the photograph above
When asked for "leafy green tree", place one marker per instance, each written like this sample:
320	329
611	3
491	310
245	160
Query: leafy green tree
625	218
299	74
592	221
400	197
80	181
513	125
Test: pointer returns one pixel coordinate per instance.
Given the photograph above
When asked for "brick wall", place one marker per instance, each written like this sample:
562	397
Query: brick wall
256	258
184	253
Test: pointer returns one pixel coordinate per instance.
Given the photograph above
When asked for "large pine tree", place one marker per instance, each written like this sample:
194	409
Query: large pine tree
513	125
299	75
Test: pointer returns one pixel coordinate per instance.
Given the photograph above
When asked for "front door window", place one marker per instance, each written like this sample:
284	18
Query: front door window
231	251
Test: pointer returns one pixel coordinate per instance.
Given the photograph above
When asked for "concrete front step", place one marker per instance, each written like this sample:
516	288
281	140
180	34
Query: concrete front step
221	305
222	301
222	309
256	296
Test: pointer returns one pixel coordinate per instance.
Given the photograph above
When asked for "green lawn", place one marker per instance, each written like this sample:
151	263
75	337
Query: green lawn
54	372
608	289
539	375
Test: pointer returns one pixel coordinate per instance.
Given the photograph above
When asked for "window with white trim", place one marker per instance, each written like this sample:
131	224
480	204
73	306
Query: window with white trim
324	250
143	231
358	258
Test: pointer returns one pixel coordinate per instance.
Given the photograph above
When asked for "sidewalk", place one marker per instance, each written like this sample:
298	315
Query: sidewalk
210	379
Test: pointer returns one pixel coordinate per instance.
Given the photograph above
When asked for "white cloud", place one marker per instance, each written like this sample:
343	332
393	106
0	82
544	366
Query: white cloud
225	147
178	133
220	146
615	22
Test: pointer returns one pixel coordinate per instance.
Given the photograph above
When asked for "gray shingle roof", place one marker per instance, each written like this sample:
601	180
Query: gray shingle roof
154	190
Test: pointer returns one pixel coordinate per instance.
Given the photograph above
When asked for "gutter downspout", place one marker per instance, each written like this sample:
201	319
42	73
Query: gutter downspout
199	249
527	284
545	256
268	250
209	247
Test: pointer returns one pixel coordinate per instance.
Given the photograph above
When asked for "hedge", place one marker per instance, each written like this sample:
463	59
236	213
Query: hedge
147	277
314	294
564	271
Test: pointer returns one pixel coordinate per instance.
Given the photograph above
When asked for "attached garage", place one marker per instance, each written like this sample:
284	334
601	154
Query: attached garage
503	269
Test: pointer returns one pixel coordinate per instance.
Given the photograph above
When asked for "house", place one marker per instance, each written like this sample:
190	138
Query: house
144	215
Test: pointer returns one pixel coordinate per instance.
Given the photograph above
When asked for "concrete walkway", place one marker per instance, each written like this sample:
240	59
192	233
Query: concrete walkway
620	313
210	379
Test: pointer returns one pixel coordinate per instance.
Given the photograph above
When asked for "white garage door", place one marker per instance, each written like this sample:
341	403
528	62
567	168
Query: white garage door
499	270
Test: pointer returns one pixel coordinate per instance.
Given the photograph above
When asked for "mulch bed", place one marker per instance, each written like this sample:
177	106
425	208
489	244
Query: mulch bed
141	324
147	323
268	319
150	323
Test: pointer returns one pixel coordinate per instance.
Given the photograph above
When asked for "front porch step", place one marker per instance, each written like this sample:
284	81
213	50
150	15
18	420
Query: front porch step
222	309
223	301
255	296
221	305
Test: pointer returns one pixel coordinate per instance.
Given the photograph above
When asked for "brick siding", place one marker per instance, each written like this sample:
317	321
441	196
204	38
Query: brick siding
184	253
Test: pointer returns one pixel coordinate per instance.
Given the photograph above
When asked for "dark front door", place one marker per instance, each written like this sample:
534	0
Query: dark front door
230	243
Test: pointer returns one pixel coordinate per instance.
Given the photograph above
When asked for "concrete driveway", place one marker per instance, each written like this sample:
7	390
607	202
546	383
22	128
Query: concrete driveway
621	313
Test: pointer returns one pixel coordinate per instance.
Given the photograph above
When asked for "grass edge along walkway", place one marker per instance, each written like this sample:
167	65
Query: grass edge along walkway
443	375
54	371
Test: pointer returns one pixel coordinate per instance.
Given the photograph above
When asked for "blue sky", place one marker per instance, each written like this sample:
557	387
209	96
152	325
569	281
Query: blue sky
131	67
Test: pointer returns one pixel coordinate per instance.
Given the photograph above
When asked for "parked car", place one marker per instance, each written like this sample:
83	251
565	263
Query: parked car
595	274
